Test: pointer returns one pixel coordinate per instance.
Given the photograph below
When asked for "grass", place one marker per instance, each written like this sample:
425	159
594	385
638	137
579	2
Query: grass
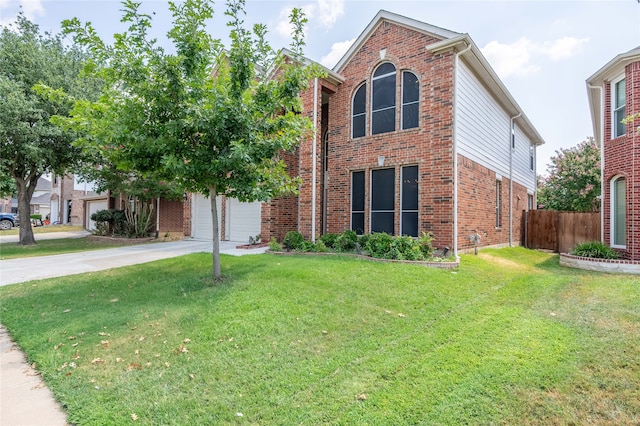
43	229
56	246
508	338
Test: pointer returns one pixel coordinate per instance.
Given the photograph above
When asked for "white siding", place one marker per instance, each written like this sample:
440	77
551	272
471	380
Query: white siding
483	130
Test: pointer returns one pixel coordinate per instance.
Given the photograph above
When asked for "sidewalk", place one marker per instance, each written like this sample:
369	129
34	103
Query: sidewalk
24	399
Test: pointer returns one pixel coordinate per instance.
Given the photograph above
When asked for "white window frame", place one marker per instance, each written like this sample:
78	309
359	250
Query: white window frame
612	211
614	124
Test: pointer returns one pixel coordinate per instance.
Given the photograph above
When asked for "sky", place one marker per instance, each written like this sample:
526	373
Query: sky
543	50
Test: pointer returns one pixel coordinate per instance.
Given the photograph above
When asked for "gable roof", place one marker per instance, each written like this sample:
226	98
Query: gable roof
450	40
595	86
384	15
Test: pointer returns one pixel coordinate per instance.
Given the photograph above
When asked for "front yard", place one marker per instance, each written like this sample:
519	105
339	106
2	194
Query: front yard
508	338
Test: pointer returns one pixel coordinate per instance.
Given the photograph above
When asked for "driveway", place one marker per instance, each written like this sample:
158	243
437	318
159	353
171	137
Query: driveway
35	268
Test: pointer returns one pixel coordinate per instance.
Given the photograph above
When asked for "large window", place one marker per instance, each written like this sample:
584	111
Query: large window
619	102
383	99
619	212
409	202
359	113
383	201
410	100
357	202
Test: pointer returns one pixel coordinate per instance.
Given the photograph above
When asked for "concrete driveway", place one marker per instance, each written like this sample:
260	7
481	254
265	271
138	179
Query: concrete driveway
35	268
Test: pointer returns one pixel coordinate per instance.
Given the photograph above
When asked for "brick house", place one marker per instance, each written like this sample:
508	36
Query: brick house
413	131
614	93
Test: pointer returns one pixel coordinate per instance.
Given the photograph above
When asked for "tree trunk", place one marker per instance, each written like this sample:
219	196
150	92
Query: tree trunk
217	274
25	192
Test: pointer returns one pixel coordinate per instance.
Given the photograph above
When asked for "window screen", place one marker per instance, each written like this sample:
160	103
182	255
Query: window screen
620	110
382	200
359	112
383	111
619	213
357	202
409	209
410	100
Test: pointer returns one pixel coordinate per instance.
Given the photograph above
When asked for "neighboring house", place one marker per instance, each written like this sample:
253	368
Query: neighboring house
614	93
41	198
413	132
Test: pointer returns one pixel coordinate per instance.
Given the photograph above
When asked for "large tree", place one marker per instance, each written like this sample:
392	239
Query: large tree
30	145
573	180
212	117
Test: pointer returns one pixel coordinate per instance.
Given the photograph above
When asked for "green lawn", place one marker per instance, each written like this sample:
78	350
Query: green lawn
57	246
44	229
508	338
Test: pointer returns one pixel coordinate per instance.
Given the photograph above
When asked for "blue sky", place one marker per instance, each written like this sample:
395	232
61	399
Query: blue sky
542	50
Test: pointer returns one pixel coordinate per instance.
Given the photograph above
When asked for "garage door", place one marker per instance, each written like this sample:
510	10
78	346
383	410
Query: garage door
92	207
243	220
201	226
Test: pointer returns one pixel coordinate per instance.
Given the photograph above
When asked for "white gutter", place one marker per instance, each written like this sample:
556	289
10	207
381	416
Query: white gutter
601	90
455	151
512	144
157	217
313	160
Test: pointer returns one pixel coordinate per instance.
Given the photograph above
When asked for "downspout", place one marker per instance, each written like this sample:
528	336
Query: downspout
157	217
601	91
455	151
313	160
512	145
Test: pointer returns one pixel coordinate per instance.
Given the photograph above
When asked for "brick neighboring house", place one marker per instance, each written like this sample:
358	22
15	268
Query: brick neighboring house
413	131
614	93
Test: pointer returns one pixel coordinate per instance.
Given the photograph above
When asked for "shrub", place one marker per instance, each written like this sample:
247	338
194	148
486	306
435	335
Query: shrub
405	248
321	247
36	217
293	240
346	241
274	246
425	241
595	249
329	240
308	246
379	245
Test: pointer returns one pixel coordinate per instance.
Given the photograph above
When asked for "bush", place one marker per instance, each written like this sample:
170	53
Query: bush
110	222
405	248
425	241
379	245
595	249
274	246
346	241
293	240
329	240
321	247
36	217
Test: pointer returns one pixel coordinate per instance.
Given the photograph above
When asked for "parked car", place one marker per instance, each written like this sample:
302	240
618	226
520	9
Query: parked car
8	221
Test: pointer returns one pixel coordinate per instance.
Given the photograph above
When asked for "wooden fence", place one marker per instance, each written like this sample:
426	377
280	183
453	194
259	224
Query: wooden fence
559	231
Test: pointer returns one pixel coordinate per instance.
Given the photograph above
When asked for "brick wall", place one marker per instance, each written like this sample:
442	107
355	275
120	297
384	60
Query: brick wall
622	158
171	216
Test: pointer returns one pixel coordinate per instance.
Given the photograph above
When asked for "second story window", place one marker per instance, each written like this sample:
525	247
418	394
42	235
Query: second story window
383	99
410	100
359	112
619	101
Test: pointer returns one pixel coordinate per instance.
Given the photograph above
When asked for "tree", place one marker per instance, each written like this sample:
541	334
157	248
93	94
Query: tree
30	145
573	183
211	118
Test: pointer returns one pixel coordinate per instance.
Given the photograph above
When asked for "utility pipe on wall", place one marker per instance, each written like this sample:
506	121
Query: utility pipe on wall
313	160
512	146
455	151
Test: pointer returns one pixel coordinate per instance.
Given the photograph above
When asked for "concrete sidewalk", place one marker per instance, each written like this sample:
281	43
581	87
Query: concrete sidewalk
24	399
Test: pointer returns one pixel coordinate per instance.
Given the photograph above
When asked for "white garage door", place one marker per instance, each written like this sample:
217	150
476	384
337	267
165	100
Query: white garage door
242	219
92	207
201	226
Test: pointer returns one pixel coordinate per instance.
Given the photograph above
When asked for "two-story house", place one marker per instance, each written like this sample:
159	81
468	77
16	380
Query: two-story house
614	93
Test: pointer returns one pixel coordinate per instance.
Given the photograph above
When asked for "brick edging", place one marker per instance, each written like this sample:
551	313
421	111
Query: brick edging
439	265
601	265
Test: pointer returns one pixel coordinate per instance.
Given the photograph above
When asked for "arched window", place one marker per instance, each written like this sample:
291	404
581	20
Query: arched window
359	112
410	100
383	99
619	212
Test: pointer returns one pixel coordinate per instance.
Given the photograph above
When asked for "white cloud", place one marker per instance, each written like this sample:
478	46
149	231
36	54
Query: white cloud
324	12
518	58
338	50
31	8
